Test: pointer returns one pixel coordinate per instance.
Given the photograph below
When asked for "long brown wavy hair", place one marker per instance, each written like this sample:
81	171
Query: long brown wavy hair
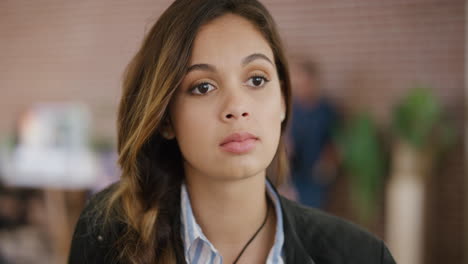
147	199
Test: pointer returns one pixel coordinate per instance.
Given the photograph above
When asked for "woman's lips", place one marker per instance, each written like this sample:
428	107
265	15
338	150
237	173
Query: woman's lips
239	143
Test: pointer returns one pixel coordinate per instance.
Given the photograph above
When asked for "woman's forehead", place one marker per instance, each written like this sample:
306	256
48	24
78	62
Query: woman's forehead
229	38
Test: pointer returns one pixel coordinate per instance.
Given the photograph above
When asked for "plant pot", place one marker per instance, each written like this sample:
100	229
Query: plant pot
406	194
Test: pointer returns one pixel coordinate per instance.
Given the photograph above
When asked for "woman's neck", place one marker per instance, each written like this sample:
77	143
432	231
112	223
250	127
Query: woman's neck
230	211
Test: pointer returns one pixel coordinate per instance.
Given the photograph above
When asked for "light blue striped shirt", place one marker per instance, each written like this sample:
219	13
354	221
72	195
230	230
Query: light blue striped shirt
199	250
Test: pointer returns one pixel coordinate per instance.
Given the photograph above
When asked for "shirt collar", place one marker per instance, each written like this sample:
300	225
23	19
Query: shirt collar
191	231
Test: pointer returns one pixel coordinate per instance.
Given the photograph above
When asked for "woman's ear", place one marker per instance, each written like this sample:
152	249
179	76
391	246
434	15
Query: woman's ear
166	129
283	109
283	102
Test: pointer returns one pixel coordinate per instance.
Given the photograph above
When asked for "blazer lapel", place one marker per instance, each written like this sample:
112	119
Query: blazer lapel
293	248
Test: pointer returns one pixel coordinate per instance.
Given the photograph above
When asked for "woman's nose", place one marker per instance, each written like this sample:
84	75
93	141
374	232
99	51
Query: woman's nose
235	115
235	107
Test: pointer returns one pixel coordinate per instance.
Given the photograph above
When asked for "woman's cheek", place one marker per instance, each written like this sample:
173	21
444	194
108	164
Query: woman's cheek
194	123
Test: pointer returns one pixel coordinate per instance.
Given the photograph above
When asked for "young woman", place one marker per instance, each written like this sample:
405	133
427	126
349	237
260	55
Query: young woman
205	103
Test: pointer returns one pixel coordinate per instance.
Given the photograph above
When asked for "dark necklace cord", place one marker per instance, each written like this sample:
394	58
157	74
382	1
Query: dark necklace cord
256	233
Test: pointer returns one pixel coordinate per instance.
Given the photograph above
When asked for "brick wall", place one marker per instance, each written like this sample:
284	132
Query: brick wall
371	52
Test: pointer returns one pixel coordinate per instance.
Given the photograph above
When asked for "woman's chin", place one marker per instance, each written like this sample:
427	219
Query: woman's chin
240	173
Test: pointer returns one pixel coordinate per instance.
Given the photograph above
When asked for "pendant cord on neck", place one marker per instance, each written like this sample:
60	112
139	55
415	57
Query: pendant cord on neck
256	233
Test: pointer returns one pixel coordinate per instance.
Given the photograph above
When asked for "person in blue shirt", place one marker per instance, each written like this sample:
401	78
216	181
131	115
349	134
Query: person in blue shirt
313	156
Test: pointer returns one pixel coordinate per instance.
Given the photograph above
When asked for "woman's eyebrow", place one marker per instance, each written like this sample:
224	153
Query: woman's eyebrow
245	61
255	56
202	67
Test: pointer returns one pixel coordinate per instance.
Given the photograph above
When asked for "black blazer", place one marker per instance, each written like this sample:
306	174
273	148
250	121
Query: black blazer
310	237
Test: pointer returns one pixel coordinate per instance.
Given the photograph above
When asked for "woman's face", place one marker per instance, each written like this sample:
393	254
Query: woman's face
227	113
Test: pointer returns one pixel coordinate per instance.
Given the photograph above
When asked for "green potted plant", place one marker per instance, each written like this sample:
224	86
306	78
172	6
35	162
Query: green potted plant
419	125
363	158
421	133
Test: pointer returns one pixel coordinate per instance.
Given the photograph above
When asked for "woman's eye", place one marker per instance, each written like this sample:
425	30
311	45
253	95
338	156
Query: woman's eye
202	88
257	81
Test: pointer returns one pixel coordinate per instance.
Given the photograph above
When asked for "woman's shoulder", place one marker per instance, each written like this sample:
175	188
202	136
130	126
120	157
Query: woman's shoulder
94	235
94	214
319	221
326	236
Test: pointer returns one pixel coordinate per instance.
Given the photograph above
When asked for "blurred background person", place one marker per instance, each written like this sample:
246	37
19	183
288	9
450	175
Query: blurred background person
314	160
